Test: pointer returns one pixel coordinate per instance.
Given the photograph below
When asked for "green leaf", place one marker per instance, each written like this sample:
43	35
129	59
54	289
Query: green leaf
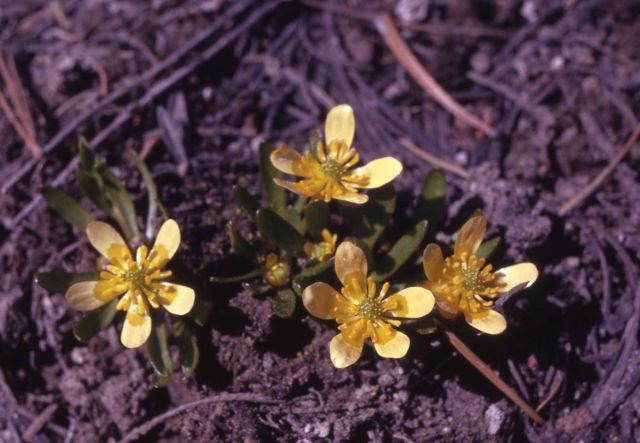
88	159
95	321
187	345
276	196
368	221
276	230
487	248
59	281
238	243
67	208
245	200
318	217
284	303
431	202
152	193
121	208
158	351
92	186
247	276
201	311
401	251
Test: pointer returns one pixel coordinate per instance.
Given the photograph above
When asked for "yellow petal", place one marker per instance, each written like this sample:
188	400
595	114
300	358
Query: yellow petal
516	275
493	323
382	171
433	261
104	237
321	300
136	328
82	296
412	302
340	125
300	188
168	239
355	198
288	161
397	347
342	353
470	235
176	299
350	259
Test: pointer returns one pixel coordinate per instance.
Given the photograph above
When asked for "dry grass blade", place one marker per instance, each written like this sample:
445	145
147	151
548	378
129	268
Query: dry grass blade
577	200
389	32
485	370
15	104
430	158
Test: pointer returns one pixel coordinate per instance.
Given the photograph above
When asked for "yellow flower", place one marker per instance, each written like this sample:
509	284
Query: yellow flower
323	250
138	282
361	311
278	273
327	173
463	284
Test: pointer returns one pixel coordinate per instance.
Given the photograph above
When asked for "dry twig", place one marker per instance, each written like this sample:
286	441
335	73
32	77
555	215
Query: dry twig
430	158
389	32
485	370
15	104
577	199
143	429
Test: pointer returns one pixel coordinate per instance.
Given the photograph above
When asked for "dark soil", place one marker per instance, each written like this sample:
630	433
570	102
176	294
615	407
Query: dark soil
558	79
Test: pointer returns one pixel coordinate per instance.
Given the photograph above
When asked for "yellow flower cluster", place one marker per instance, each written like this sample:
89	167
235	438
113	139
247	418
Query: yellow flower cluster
140	282
362	311
328	172
464	285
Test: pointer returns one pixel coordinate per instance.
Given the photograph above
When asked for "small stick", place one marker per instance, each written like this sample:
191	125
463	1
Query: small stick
40	421
143	429
430	158
485	370
558	379
387	29
577	200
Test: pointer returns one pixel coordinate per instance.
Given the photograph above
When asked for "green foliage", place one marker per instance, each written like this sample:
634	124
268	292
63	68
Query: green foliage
431	201
189	353
238	243
95	321
152	193
317	217
158	351
69	209
58	282
276	230
489	247
368	221
401	252
245	200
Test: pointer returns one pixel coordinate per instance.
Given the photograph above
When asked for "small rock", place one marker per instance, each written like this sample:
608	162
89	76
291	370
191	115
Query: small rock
494	418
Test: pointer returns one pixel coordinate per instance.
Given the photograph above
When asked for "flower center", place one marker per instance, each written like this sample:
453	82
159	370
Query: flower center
331	168
135	276
471	280
278	274
370	308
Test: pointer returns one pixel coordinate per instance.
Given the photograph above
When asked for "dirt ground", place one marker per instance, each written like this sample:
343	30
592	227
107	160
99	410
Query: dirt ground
558	80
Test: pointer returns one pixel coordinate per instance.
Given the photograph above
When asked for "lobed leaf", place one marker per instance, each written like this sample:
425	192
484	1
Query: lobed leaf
245	200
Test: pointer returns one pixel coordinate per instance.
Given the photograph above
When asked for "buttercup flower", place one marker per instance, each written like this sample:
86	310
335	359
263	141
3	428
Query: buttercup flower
278	273
327	173
361	311
463	284
140	282
323	250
